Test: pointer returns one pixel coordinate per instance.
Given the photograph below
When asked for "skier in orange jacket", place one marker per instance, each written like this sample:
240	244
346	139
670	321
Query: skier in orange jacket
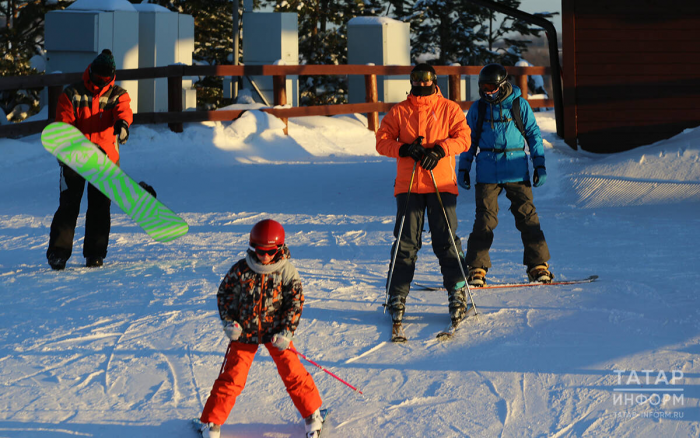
425	132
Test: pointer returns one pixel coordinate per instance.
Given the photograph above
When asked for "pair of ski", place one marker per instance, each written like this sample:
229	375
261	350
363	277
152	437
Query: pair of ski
397	331
399	335
589	279
200	427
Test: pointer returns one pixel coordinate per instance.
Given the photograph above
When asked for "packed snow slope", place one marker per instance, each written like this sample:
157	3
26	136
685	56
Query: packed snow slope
132	349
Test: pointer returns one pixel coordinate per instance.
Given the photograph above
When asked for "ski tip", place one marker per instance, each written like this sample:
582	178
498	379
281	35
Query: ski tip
443	336
197	425
593	277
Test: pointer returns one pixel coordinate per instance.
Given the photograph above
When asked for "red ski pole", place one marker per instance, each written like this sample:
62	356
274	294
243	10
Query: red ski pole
325	370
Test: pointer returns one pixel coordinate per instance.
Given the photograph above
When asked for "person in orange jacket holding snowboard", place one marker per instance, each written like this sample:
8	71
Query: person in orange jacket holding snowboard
424	133
102	111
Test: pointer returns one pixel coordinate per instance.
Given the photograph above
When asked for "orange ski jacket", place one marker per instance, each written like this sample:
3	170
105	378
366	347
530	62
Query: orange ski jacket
94	111
439	121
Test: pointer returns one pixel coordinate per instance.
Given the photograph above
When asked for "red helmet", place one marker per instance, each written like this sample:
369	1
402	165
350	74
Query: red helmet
267	234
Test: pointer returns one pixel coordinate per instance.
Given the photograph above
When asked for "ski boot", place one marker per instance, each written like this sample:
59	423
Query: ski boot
210	430
397	307
314	423
458	304
477	277
94	262
57	263
539	273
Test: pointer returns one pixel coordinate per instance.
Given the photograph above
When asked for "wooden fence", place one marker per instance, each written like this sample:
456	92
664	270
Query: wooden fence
175	116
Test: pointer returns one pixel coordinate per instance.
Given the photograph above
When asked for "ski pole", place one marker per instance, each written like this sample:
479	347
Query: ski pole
325	370
223	365
454	244
398	238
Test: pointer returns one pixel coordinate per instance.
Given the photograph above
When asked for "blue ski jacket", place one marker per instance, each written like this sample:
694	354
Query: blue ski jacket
501	156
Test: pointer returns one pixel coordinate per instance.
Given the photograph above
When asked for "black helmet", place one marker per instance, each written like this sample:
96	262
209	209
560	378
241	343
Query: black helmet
492	77
493	74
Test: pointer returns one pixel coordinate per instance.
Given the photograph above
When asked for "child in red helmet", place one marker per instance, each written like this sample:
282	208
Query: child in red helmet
260	301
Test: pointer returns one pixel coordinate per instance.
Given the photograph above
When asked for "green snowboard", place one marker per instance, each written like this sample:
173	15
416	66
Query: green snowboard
71	147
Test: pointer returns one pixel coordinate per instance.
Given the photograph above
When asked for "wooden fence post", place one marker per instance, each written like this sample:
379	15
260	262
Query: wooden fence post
521	82
175	98
279	89
54	93
455	87
371	97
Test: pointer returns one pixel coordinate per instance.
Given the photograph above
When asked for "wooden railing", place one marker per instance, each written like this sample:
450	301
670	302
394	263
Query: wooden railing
175	117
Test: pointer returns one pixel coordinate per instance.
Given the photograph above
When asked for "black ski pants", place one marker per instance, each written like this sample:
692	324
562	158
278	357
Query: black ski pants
97	219
526	221
411	240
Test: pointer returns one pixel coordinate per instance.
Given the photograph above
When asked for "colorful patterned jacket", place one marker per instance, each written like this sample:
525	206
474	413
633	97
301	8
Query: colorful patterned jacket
264	299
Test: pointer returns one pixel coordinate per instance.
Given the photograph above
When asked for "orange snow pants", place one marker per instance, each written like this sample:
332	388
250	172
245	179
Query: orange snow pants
230	383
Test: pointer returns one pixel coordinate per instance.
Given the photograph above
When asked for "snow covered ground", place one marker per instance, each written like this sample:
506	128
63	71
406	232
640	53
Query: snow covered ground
133	348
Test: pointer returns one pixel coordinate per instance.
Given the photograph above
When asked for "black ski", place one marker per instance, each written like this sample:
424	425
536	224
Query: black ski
451	329
590	279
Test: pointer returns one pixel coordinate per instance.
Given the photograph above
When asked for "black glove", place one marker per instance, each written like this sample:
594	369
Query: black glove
121	130
431	157
466	182
148	188
413	150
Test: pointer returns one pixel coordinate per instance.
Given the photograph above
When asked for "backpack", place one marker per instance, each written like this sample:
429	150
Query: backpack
517	118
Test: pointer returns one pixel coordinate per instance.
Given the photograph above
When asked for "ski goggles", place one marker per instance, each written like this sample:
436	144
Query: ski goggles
266	251
489	88
422	76
101	81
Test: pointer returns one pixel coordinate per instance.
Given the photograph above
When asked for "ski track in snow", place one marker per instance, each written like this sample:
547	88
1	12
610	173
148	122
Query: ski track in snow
132	349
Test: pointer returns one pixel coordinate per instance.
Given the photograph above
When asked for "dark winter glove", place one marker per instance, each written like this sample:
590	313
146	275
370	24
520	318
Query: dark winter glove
281	342
540	176
121	130
233	330
413	150
148	188
431	157
463	180
465	165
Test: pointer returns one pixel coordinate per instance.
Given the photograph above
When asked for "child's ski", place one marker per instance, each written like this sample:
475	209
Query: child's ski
451	329
199	426
590	279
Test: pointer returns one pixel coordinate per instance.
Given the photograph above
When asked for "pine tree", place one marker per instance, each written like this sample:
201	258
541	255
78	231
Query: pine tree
501	42
455	31
449	32
21	38
323	40
213	43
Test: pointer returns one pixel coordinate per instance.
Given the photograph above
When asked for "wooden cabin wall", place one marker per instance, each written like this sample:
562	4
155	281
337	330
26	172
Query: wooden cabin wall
631	71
